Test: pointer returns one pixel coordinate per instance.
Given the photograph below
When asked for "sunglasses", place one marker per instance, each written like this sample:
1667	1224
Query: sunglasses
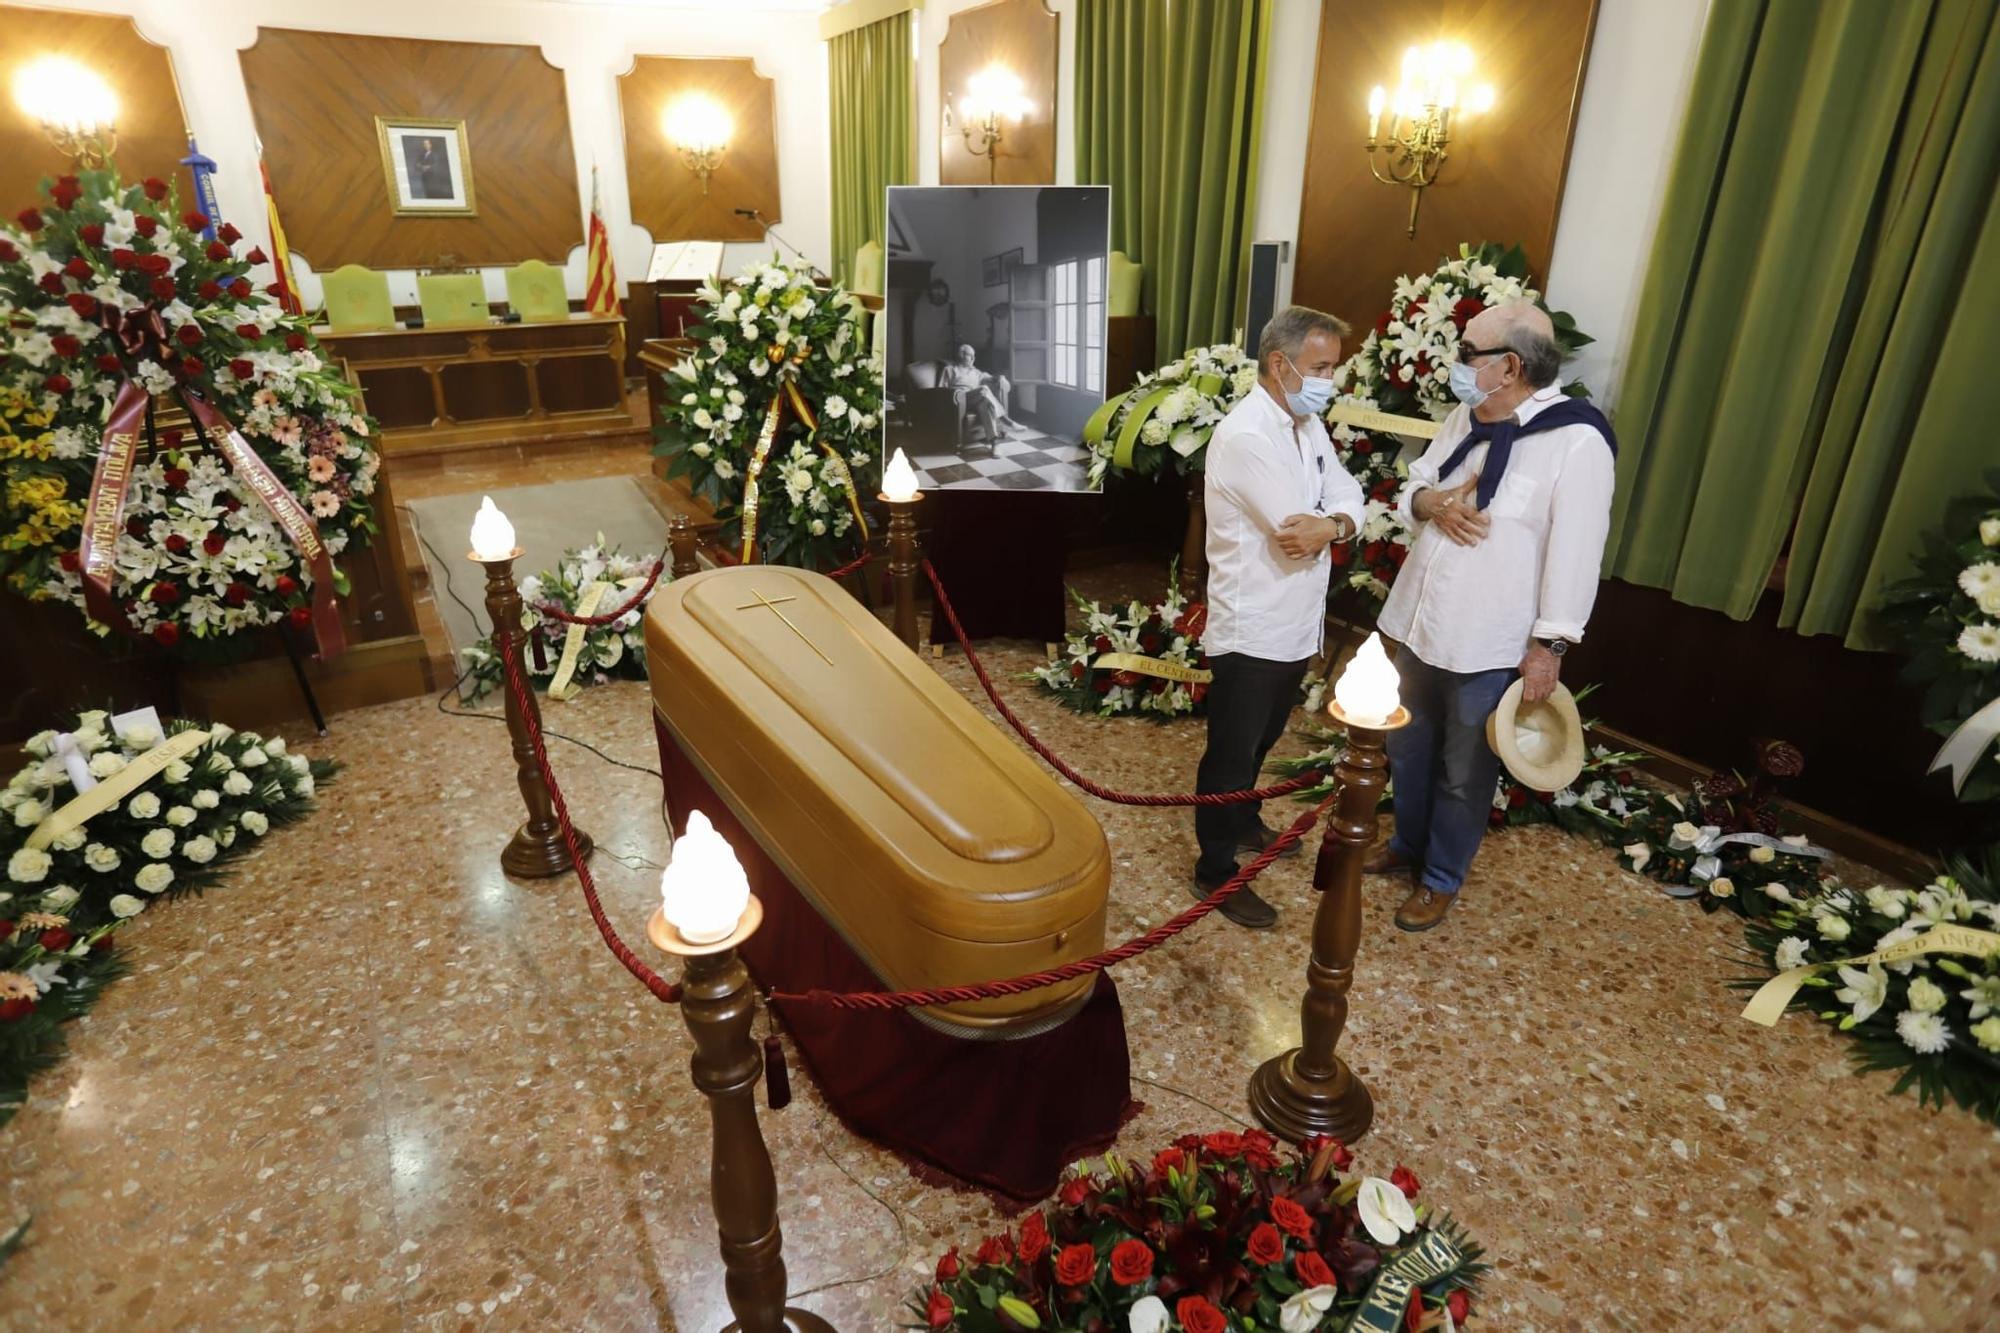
1466	352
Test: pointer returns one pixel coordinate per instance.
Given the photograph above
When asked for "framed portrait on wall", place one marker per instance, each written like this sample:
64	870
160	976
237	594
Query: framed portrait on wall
427	166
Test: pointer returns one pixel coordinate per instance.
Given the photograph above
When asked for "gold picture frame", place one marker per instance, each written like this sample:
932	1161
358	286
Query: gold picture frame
427	166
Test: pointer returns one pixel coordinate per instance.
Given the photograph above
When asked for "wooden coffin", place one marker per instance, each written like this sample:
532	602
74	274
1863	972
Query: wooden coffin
938	850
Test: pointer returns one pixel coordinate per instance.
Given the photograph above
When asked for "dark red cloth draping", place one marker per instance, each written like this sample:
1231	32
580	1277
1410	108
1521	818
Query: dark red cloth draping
1000	555
1005	1115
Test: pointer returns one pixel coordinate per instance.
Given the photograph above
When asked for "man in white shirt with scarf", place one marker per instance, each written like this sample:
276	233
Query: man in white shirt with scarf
1276	497
1510	506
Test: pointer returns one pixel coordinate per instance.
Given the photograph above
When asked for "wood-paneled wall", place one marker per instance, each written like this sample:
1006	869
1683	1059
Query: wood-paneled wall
1018	35
667	197
315	96
1504	179
152	137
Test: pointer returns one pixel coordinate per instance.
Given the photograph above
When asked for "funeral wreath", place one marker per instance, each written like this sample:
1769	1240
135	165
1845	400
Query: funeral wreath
616	651
1218	1233
110	297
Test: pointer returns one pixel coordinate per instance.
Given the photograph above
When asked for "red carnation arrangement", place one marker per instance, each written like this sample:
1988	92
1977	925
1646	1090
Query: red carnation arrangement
1219	1234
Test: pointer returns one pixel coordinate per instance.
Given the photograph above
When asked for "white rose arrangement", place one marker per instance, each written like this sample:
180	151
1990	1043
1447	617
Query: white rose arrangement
610	652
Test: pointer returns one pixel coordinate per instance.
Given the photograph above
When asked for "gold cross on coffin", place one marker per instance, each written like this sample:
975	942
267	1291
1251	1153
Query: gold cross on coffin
771	605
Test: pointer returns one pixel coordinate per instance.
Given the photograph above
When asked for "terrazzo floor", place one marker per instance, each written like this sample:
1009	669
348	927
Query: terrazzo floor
373	1083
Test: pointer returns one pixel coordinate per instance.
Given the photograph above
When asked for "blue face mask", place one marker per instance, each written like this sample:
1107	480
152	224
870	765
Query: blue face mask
1465	385
1313	394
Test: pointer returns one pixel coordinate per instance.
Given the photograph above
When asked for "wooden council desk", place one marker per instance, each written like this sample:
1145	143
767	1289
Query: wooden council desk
439	388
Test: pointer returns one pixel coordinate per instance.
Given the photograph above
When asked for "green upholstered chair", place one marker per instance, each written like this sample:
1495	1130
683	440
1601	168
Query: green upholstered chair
357	299
1127	278
535	292
452	298
868	269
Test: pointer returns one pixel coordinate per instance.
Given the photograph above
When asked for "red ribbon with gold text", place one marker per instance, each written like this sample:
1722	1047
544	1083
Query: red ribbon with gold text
104	510
285	508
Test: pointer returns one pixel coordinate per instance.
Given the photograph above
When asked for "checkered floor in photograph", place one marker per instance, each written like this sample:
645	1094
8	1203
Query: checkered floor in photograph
1029	462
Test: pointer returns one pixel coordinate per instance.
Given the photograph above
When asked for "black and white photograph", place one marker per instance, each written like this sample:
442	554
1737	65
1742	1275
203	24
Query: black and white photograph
427	166
996	306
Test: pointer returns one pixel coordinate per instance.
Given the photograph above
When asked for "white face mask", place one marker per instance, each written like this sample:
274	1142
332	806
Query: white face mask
1465	384
1313	394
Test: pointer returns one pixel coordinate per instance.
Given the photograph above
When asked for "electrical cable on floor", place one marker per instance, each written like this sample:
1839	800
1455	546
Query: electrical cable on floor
902	1229
1199	1101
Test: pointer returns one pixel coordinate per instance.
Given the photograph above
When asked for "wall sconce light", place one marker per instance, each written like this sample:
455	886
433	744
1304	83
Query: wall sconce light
1419	137
993	99
75	108
699	129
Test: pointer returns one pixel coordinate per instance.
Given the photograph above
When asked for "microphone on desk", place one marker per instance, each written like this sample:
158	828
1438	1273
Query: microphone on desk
747	213
771	233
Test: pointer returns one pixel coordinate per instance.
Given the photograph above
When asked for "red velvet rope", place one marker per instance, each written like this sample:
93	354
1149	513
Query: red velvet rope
662	988
554	612
1103	793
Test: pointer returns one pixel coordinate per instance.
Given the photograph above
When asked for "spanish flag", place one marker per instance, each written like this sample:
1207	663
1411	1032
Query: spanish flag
601	280
281	255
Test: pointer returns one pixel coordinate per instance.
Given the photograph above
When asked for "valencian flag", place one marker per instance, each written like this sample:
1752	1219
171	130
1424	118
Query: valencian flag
600	279
281	254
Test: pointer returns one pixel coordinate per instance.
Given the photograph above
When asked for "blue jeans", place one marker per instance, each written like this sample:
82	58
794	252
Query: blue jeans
1442	770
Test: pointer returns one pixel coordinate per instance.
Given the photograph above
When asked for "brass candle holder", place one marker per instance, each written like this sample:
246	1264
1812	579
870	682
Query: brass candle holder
904	562
538	849
1309	1089
718	1006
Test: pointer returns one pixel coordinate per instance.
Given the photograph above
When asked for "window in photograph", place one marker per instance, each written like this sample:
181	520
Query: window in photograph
1093	324
1064	293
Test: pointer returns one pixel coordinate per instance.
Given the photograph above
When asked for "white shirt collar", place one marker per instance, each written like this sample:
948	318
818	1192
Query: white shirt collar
1538	401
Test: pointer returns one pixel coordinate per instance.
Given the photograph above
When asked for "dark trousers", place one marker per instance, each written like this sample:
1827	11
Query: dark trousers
1248	703
1441	770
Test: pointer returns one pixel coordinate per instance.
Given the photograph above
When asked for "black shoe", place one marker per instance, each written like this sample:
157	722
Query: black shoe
1243	907
1262	836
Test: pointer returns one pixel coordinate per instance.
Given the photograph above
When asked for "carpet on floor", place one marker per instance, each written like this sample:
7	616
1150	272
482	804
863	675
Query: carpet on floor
548	520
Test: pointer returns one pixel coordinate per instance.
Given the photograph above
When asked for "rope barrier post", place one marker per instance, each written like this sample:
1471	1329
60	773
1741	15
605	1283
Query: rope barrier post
1309	1089
681	542
718	1005
903	564
538	848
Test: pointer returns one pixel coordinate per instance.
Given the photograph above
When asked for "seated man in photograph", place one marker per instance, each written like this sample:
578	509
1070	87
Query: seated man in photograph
1276	497
1510	505
980	394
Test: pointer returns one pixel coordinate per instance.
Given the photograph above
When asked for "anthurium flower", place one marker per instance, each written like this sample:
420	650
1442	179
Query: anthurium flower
1302	1312
1384	1211
1148	1315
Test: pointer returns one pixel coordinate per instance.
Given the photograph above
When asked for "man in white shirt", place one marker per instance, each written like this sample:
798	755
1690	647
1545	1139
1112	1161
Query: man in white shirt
1510	505
1276	496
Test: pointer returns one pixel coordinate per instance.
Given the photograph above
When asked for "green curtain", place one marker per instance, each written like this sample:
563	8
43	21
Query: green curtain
871	81
1791	374
1169	102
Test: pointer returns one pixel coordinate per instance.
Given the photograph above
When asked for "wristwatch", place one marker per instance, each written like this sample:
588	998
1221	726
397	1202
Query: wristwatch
1556	646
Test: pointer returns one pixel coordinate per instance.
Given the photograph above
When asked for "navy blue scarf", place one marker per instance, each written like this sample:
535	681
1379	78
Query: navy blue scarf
1500	435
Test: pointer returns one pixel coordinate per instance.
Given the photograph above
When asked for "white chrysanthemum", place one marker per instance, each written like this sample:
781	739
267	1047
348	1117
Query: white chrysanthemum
1791	953
154	877
1923	1033
1981	643
143	806
159	844
1980	581
29	865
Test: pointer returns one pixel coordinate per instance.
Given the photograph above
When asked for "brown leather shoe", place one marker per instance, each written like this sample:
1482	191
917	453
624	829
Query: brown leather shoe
1386	860
1262	836
1423	909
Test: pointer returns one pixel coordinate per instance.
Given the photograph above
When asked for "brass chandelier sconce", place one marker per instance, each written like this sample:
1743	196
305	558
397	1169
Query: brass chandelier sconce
993	100
1419	131
74	107
699	130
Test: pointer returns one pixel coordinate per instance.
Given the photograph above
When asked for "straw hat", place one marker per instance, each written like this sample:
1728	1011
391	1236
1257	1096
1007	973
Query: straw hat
1541	743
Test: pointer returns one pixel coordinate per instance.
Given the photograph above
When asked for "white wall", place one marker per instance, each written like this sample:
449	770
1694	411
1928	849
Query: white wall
1281	162
1635	93
591	43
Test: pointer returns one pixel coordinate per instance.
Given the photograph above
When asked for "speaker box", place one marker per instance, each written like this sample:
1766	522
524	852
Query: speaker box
1268	261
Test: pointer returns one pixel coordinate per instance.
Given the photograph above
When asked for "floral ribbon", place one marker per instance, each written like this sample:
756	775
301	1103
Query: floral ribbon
1709	840
1963	748
82	808
837	464
1382	1309
284	507
755	471
1768	1005
1153	666
104	508
560	688
1367	418
766	438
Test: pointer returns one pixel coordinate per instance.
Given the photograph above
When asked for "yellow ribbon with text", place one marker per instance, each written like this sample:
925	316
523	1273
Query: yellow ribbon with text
560	688
1768	1005
1367	418
1153	666
81	809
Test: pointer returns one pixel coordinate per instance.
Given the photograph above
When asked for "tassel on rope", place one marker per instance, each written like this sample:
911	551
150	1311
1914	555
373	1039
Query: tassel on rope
777	1080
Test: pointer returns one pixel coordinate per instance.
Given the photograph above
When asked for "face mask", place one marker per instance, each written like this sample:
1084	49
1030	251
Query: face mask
1313	394
1465	385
